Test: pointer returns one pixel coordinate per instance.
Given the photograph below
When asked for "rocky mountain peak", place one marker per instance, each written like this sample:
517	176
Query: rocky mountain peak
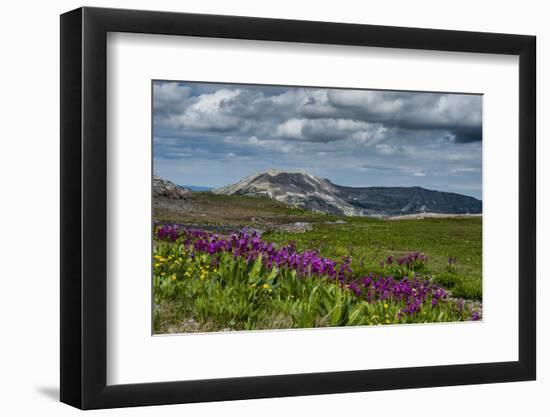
165	188
307	191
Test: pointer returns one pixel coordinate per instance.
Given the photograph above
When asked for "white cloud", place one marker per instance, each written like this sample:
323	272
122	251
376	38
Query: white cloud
206	113
407	138
170	92
291	129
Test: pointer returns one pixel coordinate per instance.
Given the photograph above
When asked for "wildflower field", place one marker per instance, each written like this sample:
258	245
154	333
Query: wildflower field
337	272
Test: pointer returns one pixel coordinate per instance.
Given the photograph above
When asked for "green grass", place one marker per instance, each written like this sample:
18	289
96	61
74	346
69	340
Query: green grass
191	295
213	209
211	305
368	241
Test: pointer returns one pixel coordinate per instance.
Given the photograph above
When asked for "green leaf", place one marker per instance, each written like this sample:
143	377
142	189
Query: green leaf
357	315
254	274
272	275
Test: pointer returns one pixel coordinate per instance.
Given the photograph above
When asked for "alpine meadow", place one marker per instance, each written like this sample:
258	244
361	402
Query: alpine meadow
278	207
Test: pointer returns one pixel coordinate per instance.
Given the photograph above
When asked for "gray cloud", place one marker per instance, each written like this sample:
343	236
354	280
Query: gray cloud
460	115
355	137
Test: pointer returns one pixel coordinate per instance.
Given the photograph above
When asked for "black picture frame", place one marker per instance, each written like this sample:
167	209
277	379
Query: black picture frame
84	207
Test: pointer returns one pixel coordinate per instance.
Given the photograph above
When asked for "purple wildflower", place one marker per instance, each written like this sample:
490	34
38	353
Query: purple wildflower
413	292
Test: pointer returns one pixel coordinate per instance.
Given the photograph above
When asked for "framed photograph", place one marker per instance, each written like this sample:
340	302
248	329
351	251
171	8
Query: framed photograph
256	208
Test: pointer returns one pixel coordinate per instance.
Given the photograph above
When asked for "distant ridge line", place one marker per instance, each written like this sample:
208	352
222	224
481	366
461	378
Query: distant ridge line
301	189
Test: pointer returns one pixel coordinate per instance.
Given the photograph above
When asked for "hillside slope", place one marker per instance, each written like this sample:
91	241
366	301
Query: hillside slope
319	194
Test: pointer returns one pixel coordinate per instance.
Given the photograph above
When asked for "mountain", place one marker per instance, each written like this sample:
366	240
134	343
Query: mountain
319	194
165	188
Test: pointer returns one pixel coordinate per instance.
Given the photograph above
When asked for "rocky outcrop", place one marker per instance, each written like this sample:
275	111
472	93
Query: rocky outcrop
165	188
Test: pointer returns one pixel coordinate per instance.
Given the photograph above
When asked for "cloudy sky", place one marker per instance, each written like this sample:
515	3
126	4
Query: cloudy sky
207	134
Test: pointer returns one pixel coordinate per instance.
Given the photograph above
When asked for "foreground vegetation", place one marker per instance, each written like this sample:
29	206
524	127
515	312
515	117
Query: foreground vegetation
368	241
329	277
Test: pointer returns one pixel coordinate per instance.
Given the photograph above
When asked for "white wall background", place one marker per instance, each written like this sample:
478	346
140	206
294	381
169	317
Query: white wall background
29	220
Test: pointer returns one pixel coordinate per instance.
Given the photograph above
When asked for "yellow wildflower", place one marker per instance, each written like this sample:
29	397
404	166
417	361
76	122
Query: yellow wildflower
265	286
385	305
173	277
